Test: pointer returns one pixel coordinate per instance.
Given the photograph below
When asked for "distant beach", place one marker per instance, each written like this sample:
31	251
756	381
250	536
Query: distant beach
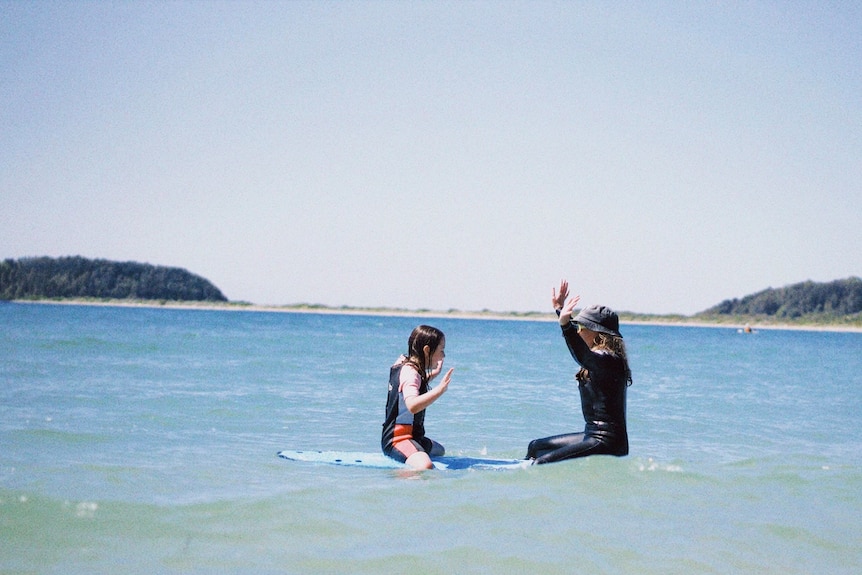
625	318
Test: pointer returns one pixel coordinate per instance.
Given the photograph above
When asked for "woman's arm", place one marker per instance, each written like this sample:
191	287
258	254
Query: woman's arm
579	349
577	346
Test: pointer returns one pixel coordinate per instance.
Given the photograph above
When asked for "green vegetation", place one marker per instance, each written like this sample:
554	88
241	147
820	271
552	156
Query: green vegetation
81	278
807	303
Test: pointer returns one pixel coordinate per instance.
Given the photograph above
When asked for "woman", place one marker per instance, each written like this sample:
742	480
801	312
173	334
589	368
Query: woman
403	436
595	342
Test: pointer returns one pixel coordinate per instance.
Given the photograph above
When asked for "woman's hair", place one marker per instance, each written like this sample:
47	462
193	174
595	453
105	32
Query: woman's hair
611	344
420	337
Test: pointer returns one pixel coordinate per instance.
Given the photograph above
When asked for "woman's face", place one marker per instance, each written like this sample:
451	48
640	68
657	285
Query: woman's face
588	335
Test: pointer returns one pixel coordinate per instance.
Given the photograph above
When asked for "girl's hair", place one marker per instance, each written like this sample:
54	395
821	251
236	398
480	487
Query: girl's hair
420	337
611	344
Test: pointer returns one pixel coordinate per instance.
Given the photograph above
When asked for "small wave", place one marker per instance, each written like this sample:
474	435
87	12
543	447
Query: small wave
651	464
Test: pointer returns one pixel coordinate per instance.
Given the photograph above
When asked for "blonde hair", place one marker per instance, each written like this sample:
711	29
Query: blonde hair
613	345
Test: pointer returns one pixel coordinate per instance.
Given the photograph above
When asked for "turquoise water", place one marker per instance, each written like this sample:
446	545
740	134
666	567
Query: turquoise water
144	441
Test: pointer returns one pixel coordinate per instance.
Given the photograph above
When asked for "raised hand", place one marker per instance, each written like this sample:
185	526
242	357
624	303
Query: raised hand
435	371
568	309
444	383
559	299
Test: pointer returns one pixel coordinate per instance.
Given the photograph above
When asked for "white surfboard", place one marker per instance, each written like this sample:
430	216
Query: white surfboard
381	461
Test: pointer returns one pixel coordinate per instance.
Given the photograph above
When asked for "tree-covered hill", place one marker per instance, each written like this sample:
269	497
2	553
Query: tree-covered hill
78	277
832	300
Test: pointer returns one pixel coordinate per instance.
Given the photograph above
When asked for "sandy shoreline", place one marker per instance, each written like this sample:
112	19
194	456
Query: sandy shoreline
454	314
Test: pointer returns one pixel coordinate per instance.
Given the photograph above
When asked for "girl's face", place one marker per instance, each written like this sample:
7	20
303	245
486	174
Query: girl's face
438	355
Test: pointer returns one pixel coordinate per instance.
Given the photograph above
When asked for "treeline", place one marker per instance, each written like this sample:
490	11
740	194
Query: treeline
808	299
78	277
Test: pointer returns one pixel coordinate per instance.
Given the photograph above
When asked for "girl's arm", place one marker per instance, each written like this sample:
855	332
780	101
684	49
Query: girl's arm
417	403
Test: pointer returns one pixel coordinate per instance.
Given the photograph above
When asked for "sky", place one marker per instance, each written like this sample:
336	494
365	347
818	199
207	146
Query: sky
661	156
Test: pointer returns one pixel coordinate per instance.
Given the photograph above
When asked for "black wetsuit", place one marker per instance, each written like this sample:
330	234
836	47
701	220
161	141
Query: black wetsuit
603	402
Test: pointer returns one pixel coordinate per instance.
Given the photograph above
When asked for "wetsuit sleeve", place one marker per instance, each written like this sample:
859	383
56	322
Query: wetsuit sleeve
408	383
581	352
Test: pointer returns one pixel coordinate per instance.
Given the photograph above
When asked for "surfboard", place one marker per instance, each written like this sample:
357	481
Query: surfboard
381	461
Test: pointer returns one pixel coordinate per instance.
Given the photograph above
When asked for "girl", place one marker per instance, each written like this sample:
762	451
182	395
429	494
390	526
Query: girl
595	342
403	436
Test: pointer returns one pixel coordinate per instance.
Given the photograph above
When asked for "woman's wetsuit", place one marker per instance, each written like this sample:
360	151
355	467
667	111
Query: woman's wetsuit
403	432
603	402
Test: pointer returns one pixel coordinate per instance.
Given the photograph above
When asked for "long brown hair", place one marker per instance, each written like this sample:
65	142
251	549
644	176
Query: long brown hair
611	344
420	337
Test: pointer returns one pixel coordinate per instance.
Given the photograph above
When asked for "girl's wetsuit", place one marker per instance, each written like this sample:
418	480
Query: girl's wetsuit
403	432
603	402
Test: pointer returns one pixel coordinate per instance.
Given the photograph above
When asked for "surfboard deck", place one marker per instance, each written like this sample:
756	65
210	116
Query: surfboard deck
381	461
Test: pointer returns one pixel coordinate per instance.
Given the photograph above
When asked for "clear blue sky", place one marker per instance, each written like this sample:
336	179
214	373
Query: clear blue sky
661	156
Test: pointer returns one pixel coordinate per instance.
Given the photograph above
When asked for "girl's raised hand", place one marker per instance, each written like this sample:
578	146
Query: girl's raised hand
446	379
435	371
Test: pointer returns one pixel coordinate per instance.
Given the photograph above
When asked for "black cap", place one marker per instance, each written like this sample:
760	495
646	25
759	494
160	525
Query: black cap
601	319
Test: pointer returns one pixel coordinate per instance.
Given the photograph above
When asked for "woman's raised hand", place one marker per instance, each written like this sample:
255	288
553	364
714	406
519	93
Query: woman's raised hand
568	309
559	299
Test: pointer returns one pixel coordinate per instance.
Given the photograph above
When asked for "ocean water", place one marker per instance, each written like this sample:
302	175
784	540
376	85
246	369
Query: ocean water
138	440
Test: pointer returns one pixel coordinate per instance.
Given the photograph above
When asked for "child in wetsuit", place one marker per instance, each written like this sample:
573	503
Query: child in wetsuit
403	436
595	342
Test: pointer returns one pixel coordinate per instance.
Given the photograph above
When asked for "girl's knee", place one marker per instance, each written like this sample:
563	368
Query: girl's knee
420	460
